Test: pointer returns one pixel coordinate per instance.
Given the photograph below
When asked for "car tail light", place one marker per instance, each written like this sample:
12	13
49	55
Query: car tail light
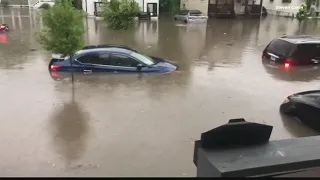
54	67
287	63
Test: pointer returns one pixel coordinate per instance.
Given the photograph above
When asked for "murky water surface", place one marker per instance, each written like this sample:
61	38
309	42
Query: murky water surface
140	125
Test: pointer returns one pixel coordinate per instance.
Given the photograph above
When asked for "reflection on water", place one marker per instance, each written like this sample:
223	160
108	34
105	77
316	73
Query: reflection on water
69	126
143	124
297	128
303	74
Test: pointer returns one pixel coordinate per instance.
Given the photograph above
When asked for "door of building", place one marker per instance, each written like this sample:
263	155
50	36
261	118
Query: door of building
153	9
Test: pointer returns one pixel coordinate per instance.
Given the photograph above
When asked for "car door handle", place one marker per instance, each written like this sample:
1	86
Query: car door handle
87	71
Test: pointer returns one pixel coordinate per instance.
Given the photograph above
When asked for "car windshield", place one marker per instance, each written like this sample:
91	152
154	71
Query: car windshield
183	12
195	13
280	47
145	59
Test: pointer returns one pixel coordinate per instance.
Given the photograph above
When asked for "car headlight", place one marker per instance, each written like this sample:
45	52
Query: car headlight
286	101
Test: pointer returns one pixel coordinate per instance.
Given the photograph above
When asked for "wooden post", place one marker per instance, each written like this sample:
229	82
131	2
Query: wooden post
2	18
246	8
34	18
261	3
217	1
13	20
19	18
30	18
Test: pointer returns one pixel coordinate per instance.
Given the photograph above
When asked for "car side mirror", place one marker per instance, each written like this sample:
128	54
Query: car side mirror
140	66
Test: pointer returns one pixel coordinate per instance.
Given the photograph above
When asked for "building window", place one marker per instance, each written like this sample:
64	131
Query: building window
286	1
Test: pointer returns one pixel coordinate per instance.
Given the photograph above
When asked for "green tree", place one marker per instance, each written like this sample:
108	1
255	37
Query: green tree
119	14
174	6
63	30
302	14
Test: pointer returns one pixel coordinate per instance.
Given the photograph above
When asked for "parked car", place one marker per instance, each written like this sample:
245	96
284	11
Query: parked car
144	16
108	58
255	10
225	11
188	16
293	50
305	106
4	28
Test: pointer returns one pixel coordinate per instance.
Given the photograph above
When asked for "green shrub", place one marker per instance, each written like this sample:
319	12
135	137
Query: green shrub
63	30
4	3
174	6
45	6
302	13
119	14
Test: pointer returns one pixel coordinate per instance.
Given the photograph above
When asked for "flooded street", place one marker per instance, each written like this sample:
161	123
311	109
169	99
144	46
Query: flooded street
140	125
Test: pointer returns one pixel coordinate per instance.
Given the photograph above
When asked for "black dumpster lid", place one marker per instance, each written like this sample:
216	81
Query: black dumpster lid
237	132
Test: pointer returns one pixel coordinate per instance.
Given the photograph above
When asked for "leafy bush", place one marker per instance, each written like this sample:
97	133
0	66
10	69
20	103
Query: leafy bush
63	30
174	6
4	3
302	13
45	6
119	14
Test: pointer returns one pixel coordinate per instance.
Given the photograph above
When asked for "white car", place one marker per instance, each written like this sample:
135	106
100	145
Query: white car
188	16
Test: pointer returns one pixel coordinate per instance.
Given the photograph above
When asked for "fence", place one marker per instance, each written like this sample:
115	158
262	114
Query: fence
26	3
18	2
15	19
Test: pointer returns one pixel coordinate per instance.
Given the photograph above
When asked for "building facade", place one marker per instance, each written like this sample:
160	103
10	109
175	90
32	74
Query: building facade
209	7
282	7
17	2
276	7
93	7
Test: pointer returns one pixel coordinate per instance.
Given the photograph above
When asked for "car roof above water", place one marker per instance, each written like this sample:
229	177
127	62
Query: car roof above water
301	39
111	49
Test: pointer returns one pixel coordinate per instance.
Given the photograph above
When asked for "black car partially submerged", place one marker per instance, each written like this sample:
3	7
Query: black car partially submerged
293	50
305	106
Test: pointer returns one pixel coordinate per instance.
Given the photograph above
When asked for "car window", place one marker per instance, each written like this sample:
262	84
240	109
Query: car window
121	60
307	51
280	47
89	59
195	13
104	59
183	13
145	59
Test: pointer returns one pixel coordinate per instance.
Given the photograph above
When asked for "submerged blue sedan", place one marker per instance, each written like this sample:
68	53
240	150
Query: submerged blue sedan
110	58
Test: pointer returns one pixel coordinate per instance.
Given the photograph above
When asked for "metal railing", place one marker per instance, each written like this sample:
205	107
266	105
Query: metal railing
35	2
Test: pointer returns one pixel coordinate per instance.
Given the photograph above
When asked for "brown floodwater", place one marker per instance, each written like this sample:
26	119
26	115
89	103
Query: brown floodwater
140	125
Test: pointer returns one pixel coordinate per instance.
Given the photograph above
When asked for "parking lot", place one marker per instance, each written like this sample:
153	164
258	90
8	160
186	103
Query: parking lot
141	125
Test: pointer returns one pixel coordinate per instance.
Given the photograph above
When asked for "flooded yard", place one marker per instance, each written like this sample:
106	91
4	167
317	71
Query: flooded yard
140	125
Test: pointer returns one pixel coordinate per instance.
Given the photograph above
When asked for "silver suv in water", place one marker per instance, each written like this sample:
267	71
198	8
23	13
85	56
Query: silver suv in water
190	16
